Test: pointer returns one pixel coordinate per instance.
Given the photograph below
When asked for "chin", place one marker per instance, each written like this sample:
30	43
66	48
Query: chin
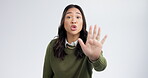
75	33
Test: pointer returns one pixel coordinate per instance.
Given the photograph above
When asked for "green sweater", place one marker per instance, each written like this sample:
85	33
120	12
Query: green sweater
70	67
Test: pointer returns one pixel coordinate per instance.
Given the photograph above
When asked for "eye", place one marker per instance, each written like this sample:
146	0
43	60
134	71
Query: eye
68	17
78	17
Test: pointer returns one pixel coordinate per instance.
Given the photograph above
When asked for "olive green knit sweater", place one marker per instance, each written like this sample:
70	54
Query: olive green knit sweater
70	67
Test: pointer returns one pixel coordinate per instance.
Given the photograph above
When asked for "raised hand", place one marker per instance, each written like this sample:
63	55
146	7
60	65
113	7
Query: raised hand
93	46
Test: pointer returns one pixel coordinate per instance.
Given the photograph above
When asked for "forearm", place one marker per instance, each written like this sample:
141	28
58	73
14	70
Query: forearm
99	64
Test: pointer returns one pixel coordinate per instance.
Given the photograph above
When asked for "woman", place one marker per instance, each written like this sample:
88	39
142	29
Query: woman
75	52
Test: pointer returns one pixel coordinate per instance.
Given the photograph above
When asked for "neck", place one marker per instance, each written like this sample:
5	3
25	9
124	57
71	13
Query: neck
72	38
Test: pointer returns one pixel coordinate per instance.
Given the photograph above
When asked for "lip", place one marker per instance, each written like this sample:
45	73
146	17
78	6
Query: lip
73	27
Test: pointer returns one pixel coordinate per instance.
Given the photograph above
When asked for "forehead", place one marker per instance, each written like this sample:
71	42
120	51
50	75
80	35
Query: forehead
73	10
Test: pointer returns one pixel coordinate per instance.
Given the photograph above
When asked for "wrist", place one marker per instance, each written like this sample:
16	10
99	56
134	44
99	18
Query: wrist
93	58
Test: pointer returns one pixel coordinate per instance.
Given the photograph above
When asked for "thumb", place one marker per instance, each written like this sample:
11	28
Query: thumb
81	43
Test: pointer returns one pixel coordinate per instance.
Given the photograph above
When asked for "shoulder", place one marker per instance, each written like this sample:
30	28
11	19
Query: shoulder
52	42
49	48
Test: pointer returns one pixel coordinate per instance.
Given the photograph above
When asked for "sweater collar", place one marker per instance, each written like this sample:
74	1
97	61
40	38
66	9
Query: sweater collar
71	44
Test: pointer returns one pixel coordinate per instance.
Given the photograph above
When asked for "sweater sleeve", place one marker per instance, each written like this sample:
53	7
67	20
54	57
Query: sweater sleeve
99	64
47	70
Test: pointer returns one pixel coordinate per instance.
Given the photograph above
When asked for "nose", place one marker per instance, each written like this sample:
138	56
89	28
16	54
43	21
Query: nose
73	21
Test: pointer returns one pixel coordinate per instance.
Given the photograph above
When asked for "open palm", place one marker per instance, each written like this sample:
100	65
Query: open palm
93	46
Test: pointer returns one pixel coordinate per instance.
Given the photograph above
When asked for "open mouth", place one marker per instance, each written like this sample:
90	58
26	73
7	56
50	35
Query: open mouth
73	27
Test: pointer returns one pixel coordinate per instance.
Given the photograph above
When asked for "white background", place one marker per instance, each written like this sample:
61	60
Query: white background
27	26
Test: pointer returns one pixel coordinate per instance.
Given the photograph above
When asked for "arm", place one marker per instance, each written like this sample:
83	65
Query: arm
99	64
47	70
93	48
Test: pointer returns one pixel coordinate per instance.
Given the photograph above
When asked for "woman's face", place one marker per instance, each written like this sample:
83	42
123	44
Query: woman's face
73	22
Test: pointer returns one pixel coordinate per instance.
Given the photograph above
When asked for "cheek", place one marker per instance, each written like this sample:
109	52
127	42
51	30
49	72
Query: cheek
81	24
81	27
66	24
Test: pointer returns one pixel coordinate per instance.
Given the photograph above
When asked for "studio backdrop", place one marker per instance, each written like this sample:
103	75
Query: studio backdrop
27	27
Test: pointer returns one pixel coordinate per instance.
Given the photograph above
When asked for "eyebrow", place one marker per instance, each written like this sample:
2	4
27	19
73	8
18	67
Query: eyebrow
71	12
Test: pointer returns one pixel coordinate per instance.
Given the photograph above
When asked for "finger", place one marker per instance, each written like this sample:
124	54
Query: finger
89	33
95	32
98	35
81	43
103	40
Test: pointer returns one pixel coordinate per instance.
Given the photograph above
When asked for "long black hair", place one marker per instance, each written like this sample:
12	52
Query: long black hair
60	42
